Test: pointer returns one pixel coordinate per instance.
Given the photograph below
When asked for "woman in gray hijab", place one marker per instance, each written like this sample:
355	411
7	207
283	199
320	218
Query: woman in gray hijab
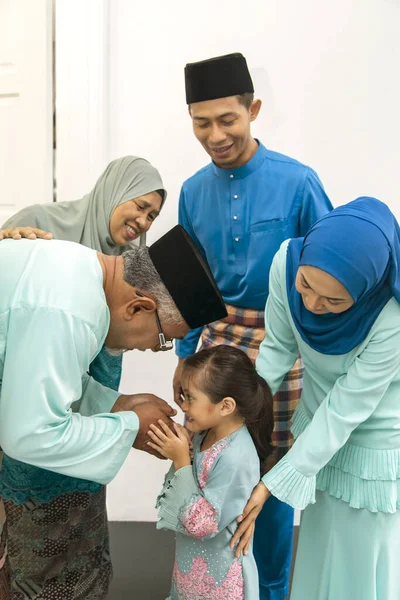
57	525
126	199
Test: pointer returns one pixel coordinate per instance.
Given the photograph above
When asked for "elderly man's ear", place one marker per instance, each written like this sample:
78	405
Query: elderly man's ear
138	304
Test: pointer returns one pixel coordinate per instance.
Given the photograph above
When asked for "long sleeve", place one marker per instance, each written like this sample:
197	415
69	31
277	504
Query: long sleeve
202	513
279	350
351	401
188	345
315	204
48	352
96	398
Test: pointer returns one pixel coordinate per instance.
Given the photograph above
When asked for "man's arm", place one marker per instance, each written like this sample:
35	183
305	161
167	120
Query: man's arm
47	352
315	202
188	345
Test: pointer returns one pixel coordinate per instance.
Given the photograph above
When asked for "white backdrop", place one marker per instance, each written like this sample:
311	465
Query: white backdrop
26	111
327	73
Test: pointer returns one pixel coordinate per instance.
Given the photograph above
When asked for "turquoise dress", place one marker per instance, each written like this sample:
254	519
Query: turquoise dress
344	467
201	503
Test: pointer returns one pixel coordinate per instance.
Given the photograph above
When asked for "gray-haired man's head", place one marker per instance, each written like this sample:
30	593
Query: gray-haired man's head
157	294
142	297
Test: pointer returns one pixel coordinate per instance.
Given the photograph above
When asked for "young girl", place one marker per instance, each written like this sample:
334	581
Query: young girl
229	408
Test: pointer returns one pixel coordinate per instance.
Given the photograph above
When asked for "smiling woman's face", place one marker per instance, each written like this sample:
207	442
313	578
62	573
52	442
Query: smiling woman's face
134	217
321	293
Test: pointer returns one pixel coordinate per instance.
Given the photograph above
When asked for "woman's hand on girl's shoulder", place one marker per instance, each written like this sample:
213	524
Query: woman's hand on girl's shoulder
30	233
245	531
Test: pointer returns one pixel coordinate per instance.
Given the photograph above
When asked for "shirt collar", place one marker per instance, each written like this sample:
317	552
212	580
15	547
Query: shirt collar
241	172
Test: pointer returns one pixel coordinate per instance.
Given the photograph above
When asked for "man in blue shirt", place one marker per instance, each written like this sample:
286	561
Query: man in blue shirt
239	209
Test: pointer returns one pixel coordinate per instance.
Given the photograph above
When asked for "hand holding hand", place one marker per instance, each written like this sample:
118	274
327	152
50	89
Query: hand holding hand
150	409
178	392
245	531
132	401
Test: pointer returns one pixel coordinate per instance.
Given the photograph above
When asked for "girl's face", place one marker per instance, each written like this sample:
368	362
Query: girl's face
321	293
201	413
134	217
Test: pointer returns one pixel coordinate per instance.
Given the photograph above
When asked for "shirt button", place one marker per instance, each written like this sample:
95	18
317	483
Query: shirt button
231	176
236	239
236	196
235	218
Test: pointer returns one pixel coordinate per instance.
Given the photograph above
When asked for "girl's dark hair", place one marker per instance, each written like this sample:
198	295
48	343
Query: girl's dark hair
228	372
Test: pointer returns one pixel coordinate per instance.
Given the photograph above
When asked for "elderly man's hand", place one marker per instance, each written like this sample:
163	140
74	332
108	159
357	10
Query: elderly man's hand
149	408
30	233
178	392
131	401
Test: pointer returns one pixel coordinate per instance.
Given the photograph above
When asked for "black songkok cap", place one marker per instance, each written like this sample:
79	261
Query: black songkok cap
218	77
187	276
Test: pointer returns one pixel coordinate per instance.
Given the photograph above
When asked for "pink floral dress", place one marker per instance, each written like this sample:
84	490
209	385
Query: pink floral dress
201	503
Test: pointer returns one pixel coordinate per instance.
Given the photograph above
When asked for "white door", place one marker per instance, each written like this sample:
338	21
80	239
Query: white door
26	104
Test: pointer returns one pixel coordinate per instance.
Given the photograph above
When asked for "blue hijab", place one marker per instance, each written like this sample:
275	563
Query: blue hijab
359	245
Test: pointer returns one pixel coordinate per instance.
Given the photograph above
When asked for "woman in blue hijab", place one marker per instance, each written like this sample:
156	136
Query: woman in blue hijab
334	297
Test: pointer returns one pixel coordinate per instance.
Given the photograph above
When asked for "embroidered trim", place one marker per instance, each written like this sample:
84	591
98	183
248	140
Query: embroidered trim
198	584
210	456
200	518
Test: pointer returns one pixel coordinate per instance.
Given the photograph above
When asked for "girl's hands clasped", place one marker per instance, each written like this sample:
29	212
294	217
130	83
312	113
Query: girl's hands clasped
175	446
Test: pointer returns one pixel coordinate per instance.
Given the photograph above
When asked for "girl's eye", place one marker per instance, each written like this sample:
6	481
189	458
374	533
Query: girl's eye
305	284
140	207
227	124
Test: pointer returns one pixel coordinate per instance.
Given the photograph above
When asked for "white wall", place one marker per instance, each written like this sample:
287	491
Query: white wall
328	76
82	125
26	128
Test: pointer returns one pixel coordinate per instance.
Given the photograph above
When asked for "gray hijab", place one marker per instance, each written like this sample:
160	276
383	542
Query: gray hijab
87	221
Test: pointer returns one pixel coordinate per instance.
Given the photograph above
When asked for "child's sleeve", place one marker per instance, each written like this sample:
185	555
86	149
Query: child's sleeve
202	513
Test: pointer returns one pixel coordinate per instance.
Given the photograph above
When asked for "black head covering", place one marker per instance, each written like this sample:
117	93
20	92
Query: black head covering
187	276
217	77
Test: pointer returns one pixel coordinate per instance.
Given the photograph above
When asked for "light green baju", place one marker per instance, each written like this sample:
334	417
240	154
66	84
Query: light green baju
82	554
344	467
53	322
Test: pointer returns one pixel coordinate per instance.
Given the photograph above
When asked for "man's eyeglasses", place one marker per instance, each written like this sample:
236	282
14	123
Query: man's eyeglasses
164	344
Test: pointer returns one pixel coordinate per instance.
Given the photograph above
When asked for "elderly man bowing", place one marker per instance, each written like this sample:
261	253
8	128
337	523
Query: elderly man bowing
59	303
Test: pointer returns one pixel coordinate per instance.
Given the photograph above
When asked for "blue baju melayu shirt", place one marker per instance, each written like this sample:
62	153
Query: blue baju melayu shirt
240	217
